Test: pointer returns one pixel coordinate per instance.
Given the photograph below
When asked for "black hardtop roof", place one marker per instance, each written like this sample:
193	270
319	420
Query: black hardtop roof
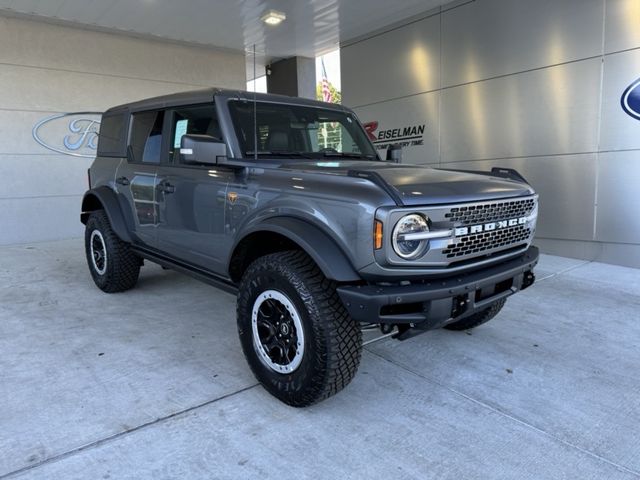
207	95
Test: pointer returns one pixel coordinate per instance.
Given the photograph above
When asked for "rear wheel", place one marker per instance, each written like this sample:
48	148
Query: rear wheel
296	335
113	265
477	319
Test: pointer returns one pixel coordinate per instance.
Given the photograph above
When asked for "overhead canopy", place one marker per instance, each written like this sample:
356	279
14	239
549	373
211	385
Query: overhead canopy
311	28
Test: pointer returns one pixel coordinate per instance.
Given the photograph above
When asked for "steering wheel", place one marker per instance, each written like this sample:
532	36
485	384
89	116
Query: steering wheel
328	150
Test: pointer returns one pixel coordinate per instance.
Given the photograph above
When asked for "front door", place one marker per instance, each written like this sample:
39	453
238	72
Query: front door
192	197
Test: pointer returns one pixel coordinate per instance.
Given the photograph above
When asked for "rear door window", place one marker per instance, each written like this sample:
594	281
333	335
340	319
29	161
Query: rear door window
146	137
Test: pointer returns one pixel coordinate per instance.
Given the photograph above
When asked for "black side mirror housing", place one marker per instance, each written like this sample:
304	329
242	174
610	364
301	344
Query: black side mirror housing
202	149
394	153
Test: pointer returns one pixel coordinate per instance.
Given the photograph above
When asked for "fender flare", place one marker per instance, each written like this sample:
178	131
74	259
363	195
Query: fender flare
108	199
329	257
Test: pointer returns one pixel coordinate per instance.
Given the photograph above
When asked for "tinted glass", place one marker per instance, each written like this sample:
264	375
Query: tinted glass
297	130
198	120
146	137
112	136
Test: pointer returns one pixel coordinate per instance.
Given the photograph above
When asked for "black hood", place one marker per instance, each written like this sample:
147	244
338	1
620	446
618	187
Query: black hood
420	185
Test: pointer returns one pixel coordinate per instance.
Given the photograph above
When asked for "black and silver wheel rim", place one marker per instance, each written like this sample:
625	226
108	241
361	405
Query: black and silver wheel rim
98	252
278	337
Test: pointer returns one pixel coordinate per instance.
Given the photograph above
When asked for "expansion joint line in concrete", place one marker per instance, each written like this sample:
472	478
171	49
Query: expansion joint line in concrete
115	436
568	269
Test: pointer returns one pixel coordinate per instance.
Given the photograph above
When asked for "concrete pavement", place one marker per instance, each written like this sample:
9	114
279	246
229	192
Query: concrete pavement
152	383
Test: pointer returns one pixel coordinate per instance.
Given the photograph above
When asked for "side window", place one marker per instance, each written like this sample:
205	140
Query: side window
197	120
146	137
112	137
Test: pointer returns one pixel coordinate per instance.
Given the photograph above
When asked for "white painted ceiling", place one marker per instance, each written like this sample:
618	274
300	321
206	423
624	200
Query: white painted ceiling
312	27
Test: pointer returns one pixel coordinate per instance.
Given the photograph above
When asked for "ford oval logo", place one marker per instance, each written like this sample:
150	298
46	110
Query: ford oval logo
73	134
631	100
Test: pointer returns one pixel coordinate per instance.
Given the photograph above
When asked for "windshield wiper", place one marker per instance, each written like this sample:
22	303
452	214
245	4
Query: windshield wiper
348	155
311	155
283	153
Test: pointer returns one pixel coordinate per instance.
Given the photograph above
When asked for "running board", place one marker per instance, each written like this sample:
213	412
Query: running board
188	269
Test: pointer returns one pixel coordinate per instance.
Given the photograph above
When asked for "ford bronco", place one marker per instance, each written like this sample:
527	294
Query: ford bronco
286	203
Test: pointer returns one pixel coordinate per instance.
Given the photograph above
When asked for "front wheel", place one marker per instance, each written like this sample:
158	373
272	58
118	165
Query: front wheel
295	333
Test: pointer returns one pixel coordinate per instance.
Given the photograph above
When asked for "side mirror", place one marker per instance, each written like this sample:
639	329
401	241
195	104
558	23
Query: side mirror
394	153
202	149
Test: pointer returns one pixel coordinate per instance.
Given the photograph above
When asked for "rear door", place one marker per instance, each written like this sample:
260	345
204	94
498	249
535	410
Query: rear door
136	179
192	197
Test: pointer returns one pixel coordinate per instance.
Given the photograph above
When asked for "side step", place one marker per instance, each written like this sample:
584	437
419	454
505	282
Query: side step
188	269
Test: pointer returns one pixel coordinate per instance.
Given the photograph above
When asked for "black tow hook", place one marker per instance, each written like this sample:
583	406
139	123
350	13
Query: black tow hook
528	280
386	328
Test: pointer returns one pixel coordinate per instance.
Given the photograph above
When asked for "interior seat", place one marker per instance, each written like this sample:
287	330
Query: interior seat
278	141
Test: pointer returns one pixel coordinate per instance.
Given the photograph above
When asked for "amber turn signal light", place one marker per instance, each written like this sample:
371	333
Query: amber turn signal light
377	234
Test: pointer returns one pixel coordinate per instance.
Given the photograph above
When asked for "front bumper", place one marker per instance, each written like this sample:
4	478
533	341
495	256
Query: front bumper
435	302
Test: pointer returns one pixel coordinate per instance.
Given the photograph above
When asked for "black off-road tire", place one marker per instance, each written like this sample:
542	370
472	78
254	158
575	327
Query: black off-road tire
332	339
478	318
122	266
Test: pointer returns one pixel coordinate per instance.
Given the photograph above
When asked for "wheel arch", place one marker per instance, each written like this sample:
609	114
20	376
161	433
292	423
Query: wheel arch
289	233
103	198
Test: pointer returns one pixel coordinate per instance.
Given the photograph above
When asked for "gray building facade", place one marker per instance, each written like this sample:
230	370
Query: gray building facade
536	86
49	70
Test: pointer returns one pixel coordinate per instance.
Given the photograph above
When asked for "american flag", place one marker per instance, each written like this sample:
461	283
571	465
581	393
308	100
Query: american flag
326	91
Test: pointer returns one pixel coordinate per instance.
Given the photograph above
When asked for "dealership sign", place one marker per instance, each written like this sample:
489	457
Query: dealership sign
630	100
406	135
73	134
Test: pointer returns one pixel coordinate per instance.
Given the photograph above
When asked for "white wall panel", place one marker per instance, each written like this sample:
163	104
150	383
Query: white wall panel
63	91
407	112
619	130
618	197
620	254
15	132
621	26
401	62
543	112
616	253
43	175
38	219
488	38
50	46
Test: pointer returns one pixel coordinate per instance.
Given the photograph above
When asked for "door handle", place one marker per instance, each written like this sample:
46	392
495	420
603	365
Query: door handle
166	187
122	181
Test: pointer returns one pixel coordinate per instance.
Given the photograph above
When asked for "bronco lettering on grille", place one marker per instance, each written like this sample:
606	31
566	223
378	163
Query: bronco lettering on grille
487	227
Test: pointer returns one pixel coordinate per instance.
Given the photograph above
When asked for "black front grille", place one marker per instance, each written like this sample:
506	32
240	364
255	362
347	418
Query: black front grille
480	242
490	212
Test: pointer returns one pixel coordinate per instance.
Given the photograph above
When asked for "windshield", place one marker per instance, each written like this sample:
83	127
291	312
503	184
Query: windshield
299	131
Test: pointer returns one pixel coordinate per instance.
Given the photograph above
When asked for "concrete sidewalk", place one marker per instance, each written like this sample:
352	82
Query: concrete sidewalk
152	383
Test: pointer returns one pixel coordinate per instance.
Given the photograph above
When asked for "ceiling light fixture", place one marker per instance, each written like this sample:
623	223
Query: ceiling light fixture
273	17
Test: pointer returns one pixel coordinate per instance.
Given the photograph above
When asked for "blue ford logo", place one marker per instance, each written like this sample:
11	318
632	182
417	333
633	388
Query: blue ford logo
73	134
631	100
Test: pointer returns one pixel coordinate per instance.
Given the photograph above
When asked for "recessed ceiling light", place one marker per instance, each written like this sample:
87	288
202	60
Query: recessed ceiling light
273	17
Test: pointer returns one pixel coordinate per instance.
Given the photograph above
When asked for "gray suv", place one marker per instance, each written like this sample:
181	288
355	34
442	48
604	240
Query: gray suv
286	203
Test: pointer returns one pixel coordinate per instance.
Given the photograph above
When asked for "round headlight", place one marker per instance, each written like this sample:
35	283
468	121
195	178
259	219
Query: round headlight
403	244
